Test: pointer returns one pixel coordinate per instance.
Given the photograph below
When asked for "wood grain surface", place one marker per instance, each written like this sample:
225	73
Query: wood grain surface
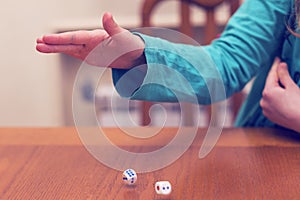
52	163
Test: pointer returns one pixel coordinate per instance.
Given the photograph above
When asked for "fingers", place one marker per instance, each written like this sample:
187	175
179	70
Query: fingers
68	49
110	26
284	76
272	79
39	40
272	82
74	37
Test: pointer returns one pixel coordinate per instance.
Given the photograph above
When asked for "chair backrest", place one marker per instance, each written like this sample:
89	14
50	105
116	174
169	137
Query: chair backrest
209	6
186	27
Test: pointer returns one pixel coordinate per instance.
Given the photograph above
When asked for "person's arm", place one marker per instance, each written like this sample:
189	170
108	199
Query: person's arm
251	40
281	96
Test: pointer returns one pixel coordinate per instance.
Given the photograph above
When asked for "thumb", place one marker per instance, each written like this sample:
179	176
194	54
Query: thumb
110	26
284	75
272	78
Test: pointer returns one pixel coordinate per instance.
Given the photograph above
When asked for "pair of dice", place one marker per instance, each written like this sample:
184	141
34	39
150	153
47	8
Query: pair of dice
161	187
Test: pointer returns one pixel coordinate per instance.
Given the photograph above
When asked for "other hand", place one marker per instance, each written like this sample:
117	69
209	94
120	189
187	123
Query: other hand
281	97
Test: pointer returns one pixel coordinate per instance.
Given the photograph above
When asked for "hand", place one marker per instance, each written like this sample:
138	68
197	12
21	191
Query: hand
112	47
281	97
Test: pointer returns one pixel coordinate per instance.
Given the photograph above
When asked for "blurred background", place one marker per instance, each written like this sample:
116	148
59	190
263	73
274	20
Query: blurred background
36	89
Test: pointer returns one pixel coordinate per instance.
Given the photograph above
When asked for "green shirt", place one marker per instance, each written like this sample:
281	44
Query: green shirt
254	36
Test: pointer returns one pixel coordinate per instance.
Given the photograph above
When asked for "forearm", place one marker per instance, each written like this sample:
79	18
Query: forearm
175	72
235	57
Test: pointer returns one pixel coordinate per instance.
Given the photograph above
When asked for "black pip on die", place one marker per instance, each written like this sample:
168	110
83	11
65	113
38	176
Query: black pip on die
129	176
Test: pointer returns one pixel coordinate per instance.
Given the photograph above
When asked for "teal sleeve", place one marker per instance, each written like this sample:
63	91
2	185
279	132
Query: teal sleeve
178	72
175	72
251	40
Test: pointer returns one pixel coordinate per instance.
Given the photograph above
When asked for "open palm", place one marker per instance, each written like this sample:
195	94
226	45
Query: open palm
111	47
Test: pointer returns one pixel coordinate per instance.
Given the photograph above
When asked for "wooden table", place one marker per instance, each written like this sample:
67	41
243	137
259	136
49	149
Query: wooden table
52	163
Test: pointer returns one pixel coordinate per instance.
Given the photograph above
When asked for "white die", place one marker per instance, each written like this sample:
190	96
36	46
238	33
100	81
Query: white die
163	187
129	176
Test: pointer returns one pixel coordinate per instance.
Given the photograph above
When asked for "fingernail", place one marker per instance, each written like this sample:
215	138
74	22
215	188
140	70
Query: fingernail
277	60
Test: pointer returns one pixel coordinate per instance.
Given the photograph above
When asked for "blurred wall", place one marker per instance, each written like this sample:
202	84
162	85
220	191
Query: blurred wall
29	81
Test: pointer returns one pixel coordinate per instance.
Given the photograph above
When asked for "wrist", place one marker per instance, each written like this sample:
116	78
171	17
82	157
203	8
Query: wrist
295	124
139	56
141	60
